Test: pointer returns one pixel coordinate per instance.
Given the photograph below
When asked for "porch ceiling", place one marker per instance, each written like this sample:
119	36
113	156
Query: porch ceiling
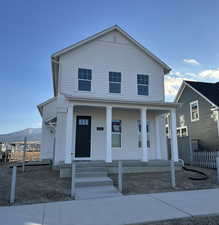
90	108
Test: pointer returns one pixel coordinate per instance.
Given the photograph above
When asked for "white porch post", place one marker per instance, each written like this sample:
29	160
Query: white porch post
144	134
174	145
109	134
69	134
158	132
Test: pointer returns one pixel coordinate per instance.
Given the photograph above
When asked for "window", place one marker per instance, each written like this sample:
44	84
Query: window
178	132
142	84
182	131
114	82
194	111
167	130
116	133
84	79
139	134
83	122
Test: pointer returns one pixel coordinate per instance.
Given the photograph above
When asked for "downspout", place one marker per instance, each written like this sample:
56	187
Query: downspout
217	117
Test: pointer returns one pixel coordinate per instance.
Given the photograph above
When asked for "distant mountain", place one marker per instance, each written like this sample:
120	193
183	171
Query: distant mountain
32	134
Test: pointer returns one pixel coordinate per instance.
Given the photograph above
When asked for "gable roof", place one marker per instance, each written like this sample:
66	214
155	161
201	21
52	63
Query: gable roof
55	56
209	91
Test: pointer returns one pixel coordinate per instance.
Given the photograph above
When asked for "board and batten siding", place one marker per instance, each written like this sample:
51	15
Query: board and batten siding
112	52
205	129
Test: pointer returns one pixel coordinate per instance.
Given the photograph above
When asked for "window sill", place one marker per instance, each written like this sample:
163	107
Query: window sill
194	120
142	95
87	92
110	93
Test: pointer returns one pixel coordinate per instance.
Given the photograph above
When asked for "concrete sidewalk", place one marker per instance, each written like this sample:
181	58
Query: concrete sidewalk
116	210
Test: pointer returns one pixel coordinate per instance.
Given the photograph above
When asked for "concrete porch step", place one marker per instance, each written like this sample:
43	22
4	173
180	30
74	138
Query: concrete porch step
83	171
91	174
96	192
91	163
92	181
90	168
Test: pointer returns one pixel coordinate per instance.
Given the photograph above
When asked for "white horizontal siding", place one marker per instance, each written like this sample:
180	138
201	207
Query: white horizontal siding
113	52
129	149
49	110
47	143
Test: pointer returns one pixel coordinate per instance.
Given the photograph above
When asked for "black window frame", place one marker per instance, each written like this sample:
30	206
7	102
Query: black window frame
143	84
115	79
84	79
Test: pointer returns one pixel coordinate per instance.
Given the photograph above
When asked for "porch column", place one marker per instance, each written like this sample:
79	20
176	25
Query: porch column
144	134
158	130
69	134
109	134
174	145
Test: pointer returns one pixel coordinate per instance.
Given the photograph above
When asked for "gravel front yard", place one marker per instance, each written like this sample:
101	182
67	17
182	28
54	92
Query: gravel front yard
42	184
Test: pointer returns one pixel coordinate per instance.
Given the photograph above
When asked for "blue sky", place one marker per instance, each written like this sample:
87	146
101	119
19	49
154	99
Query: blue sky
182	33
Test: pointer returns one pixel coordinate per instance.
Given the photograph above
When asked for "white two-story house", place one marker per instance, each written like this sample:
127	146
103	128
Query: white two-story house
108	102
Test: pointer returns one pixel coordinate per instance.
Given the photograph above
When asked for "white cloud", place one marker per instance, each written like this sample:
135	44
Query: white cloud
174	80
175	73
191	74
210	74
172	84
191	61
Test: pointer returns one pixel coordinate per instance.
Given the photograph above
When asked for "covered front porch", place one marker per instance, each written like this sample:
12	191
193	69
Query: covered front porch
116	131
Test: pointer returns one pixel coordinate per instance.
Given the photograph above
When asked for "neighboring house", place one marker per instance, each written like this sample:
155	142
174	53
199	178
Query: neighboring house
108	102
197	115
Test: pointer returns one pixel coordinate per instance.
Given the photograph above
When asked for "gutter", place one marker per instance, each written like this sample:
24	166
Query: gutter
168	104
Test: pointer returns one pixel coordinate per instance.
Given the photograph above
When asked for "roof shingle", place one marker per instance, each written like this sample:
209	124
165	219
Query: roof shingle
209	90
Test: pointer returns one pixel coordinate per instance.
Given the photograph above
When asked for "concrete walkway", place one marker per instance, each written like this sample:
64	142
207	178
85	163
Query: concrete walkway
116	210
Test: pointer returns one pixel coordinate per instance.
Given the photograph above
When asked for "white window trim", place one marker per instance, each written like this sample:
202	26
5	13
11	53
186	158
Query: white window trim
91	87
191	103
145	85
116	82
180	131
119	148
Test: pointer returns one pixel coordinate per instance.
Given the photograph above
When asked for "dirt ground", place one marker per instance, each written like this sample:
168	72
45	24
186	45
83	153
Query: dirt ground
36	185
143	183
197	220
42	184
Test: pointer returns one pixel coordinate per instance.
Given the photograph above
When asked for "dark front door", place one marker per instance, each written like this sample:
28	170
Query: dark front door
83	136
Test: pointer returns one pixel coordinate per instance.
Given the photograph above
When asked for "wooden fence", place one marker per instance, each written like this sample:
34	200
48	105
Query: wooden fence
204	159
29	156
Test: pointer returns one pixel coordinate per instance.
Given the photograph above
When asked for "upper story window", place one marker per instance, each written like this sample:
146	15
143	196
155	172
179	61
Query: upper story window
84	79
114	82
142	84
194	111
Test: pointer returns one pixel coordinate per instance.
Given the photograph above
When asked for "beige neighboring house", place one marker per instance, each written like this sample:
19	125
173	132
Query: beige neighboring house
108	102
